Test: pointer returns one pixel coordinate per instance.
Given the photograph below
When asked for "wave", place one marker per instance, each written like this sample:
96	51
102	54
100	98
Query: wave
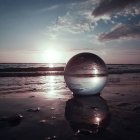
44	71
29	74
32	69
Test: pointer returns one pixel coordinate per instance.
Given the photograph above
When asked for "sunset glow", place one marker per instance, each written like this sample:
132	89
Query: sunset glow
51	65
52	31
51	56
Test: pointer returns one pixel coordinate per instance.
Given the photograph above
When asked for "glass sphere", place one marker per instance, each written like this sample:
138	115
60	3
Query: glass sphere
85	74
88	114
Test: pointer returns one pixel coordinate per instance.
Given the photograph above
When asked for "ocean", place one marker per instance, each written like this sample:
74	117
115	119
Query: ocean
21	78
44	69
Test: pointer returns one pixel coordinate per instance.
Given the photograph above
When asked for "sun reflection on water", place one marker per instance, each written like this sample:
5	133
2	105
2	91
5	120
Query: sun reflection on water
49	86
51	83
50	93
52	87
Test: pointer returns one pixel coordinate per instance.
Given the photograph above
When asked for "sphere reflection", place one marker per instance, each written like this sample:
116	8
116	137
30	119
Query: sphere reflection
87	114
85	74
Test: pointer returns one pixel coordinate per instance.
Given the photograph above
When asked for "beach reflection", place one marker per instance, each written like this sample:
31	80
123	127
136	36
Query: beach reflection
87	114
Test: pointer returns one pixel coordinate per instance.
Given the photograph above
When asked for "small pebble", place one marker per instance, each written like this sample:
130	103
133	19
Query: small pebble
34	109
52	108
42	121
48	138
32	96
53	117
83	132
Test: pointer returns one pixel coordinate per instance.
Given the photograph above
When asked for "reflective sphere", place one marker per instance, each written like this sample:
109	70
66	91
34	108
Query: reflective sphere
85	74
87	114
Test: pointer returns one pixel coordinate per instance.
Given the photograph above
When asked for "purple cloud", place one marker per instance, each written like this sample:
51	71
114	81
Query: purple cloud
109	6
121	31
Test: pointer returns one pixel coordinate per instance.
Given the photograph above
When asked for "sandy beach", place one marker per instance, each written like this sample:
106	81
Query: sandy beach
42	114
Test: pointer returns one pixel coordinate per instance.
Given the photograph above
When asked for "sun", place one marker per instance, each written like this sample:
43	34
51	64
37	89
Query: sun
51	65
51	56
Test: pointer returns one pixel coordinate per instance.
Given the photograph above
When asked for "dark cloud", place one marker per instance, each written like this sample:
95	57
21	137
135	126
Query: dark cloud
109	6
121	31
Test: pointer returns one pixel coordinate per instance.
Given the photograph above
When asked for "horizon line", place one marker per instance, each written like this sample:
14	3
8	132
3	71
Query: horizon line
66	63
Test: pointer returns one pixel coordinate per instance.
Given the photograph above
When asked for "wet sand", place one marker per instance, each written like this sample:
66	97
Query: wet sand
54	114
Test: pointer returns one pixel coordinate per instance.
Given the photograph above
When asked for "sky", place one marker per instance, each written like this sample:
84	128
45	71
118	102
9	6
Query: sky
52	31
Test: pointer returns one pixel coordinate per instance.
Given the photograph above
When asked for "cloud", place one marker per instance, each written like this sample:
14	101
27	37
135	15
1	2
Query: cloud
121	31
109	6
72	24
76	20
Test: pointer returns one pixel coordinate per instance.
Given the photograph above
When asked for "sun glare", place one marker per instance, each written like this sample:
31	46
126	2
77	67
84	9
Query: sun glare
51	65
51	56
